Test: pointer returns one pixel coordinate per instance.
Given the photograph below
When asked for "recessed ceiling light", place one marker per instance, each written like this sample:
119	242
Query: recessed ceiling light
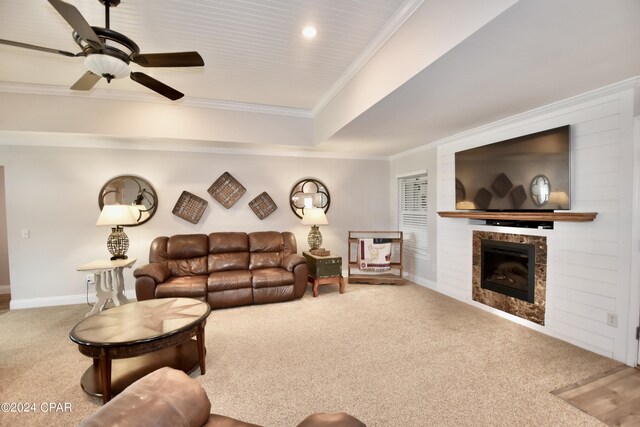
309	32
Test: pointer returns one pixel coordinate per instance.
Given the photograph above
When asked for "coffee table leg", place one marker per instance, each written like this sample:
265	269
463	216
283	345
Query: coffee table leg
316	282
341	285
105	377
201	352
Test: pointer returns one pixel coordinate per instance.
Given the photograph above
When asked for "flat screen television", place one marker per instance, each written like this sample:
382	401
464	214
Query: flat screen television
528	173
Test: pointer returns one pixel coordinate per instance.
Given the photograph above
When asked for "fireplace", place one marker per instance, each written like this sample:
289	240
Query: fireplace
508	268
510	273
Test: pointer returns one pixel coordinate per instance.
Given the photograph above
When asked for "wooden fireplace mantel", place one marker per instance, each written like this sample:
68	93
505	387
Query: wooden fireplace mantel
522	216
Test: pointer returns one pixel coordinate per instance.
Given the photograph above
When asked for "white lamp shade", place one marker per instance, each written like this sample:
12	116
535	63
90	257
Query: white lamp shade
100	65
118	215
314	216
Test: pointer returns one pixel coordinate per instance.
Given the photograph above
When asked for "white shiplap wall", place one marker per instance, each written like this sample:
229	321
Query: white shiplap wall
589	264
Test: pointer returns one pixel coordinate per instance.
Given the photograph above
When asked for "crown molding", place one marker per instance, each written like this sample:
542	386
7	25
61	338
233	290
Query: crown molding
118	95
93	142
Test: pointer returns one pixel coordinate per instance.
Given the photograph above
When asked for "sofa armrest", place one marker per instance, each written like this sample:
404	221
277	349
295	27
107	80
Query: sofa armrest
166	397
148	277
301	275
290	261
158	272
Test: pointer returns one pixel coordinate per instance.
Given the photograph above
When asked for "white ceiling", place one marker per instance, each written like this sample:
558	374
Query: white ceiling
535	53
252	49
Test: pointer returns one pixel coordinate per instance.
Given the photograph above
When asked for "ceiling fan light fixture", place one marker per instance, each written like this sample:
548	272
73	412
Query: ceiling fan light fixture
106	65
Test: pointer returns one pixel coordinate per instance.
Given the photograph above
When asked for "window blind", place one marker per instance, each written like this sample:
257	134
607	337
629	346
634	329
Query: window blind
412	213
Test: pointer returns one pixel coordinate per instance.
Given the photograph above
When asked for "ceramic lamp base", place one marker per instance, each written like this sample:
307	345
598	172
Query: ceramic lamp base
315	237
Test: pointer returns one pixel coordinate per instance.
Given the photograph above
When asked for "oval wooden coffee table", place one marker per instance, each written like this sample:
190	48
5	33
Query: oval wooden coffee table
132	340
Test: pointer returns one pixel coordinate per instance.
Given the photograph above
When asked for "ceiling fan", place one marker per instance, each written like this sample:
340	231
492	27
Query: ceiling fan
108	53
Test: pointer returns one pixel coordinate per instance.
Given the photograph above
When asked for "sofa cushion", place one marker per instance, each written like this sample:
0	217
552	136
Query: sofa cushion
266	249
187	254
228	261
185	286
225	280
270	277
231	298
274	294
228	242
188	267
260	260
184	246
266	241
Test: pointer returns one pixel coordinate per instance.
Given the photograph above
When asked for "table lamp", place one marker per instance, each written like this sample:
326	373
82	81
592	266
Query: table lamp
314	217
117	216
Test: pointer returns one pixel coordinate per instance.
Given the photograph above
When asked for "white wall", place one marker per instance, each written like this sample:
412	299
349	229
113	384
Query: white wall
421	270
589	263
142	116
53	192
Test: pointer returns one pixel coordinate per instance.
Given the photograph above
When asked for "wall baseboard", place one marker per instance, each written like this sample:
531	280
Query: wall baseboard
17	304
5	289
421	281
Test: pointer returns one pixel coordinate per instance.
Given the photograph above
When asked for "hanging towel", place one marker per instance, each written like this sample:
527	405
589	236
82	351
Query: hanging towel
374	254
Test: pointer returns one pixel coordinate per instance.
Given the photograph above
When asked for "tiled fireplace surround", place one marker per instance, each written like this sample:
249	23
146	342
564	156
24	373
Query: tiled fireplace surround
533	312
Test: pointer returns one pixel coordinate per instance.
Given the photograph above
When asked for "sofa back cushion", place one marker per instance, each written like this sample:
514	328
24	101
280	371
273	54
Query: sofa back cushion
289	240
187	254
266	249
158	249
228	251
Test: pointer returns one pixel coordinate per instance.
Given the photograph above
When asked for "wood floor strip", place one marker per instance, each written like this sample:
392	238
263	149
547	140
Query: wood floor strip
612	397
4	301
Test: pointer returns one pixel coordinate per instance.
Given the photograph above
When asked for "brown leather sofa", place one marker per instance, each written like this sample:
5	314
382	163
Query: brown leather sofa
169	397
225	269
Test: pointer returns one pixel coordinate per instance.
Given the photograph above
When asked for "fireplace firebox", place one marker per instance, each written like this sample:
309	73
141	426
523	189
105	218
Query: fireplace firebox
508	268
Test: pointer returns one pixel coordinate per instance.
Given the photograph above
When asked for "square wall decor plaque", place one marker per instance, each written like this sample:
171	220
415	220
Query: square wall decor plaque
226	190
263	205
190	207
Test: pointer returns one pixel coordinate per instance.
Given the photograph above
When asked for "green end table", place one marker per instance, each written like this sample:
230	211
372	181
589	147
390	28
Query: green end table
324	270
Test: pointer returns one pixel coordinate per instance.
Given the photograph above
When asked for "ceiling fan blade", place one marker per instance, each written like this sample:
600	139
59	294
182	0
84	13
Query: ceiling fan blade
77	22
86	82
156	86
40	48
173	59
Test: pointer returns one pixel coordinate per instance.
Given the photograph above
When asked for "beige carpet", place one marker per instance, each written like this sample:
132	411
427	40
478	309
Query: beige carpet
389	355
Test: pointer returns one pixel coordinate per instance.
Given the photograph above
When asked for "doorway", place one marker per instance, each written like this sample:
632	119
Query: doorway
5	289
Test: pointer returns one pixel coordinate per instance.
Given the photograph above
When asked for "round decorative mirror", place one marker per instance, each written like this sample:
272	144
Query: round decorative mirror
540	190
309	193
130	190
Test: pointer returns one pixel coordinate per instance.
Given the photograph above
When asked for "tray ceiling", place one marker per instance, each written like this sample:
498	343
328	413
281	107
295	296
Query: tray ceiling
253	50
530	53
